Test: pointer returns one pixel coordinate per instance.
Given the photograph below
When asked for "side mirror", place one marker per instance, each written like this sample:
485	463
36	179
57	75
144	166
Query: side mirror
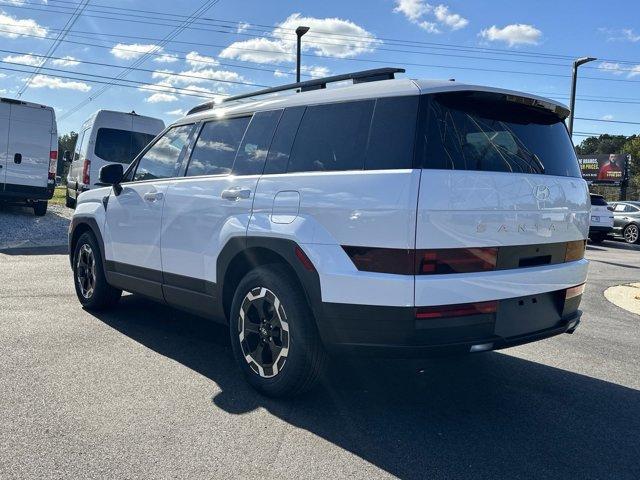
66	156
112	175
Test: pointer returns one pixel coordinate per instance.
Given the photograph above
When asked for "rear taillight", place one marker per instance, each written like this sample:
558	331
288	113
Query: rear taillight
575	250
53	164
460	310
574	291
456	260
86	168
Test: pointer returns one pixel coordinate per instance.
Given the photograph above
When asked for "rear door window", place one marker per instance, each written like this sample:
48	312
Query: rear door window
332	137
216	147
255	144
488	132
280	151
122	146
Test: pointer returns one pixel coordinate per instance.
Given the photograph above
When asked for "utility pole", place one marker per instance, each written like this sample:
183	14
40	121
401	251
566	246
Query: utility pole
574	81
300	31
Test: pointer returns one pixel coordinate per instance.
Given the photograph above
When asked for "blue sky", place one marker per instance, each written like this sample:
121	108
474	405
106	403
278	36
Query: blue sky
240	44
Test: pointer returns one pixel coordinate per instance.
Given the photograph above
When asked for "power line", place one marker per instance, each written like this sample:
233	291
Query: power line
607	121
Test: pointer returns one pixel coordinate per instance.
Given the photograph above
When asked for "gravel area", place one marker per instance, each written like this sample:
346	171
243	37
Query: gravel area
20	228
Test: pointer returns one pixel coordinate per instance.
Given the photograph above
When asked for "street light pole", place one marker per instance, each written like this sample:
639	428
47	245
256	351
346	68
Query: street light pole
300	31
574	81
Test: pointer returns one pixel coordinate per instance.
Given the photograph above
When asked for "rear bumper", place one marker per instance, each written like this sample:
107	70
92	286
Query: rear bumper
396	332
21	193
600	229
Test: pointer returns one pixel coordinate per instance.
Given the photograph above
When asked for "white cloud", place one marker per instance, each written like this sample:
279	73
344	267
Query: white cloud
452	20
621	34
26	59
177	112
634	71
170	77
55	83
413	9
131	51
607	117
161	97
66	61
430	18
338	38
197	61
314	71
243	26
166	58
280	74
12	27
630	35
611	67
514	34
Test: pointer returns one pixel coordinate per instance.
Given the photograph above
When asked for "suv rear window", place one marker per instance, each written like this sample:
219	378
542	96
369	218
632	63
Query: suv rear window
122	146
598	201
485	131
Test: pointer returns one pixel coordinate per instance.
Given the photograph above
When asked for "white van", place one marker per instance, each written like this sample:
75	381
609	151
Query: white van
28	153
106	137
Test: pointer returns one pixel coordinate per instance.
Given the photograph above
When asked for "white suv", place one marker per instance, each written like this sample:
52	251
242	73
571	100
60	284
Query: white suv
391	216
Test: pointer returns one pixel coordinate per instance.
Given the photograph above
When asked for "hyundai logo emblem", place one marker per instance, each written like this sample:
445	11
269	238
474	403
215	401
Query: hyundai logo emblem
542	192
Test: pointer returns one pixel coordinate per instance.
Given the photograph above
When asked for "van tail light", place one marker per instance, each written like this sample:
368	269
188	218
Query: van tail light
574	291
86	168
460	310
53	165
575	250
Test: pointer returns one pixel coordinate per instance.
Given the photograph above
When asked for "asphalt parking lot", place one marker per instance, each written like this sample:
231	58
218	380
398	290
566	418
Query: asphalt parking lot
149	392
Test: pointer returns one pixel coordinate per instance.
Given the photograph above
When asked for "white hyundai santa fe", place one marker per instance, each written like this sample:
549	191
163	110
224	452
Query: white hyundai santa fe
390	216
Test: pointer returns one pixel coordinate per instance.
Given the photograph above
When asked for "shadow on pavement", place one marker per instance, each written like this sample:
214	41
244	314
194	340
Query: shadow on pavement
482	416
52	250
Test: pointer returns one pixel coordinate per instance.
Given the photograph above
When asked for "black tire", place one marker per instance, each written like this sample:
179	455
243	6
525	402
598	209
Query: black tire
68	201
597	238
40	208
293	324
96	294
631	233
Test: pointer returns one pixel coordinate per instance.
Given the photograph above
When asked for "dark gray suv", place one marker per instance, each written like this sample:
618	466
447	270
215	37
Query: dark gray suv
626	220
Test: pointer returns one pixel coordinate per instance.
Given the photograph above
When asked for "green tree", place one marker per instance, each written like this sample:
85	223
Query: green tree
65	142
603	144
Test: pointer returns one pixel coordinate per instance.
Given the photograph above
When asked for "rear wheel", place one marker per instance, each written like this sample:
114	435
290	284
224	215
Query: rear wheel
597	238
273	333
68	201
92	288
631	233
40	208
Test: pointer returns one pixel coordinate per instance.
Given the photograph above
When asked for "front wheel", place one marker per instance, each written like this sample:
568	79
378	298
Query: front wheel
631	233
273	333
92	288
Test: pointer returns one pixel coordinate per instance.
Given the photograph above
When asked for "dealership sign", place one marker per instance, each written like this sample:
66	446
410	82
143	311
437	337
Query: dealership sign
607	169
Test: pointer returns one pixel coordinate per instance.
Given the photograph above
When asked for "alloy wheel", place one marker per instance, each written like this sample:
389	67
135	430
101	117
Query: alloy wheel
263	331
86	271
631	233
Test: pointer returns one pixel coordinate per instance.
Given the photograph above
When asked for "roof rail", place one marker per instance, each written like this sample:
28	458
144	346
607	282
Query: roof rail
373	75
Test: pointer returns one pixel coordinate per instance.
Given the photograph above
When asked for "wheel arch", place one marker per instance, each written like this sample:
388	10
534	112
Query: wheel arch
80	225
242	254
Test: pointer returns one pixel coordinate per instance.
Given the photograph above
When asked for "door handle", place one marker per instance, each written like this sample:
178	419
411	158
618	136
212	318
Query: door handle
236	193
17	158
153	196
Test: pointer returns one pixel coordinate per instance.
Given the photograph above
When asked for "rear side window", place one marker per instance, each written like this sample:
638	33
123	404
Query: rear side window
393	131
164	158
332	137
484	131
122	146
216	147
280	151
255	144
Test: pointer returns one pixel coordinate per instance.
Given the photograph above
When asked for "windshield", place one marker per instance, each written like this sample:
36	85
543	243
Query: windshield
122	146
485	131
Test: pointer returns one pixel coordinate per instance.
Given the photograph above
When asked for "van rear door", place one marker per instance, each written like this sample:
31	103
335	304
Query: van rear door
5	111
497	171
29	146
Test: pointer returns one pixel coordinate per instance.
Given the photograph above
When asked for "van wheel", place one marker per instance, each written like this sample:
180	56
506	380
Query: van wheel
631	233
92	288
597	238
40	208
68	201
273	333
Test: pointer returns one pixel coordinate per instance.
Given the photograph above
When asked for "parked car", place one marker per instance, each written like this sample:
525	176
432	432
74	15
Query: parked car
601	223
28	153
626	221
391	216
106	137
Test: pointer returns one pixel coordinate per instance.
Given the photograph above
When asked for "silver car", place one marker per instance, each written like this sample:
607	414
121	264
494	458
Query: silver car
626	220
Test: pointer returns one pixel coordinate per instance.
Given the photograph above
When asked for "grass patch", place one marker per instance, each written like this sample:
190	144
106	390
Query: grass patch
58	196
